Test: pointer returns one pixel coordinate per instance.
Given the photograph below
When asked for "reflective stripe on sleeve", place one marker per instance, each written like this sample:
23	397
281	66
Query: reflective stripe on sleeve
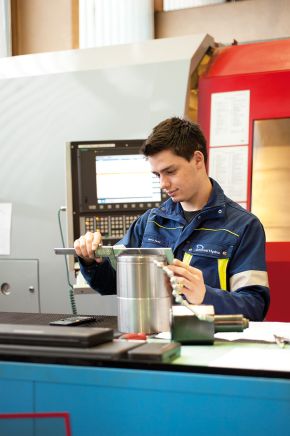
249	278
222	269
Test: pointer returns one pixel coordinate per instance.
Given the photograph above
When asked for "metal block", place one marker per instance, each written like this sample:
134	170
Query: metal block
189	330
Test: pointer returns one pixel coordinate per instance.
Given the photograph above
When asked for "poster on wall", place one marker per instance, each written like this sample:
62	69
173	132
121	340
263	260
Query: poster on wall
5	227
229	167
229	123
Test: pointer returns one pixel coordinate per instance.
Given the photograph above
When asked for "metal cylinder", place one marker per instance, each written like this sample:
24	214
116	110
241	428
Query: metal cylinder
143	299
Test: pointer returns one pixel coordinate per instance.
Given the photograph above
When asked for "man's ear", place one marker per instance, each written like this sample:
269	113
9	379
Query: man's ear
198	157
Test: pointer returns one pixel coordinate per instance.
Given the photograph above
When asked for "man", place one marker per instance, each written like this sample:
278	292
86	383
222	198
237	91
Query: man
219	247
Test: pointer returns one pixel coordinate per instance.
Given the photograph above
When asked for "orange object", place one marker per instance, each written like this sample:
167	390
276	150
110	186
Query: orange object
135	336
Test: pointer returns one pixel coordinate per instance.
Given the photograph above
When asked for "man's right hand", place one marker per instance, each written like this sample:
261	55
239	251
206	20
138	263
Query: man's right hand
86	246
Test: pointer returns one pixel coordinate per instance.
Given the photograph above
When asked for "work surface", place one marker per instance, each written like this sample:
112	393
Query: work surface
253	352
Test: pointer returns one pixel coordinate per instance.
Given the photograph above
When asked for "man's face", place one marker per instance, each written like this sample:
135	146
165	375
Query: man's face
178	178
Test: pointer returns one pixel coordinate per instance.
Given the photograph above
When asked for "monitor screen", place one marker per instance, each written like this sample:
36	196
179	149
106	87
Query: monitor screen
125	178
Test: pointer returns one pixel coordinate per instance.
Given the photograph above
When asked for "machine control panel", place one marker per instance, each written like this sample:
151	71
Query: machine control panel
109	185
112	227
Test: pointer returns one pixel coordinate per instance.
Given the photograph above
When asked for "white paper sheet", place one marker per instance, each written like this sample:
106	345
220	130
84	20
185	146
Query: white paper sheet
229	167
277	360
5	227
258	331
229	120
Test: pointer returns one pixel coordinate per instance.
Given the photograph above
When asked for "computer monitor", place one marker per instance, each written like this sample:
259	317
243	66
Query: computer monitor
125	179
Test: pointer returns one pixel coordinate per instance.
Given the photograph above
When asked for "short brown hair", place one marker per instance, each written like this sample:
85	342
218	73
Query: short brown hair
181	136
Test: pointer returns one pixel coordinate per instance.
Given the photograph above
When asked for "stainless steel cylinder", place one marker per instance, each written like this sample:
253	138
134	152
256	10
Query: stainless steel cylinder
143	300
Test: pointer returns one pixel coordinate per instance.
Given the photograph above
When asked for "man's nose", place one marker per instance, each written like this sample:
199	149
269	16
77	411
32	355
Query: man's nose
164	182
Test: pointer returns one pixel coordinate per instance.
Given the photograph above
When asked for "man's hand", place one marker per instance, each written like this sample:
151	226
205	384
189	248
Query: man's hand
190	281
86	246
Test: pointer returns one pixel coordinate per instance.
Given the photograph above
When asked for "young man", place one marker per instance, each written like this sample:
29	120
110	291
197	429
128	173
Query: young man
219	247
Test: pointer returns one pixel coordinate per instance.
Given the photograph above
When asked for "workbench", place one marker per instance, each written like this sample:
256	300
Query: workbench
205	392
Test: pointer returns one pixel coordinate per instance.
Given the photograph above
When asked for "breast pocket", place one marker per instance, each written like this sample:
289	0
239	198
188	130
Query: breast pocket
212	260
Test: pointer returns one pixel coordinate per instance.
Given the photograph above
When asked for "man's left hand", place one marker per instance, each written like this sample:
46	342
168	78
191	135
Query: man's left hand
190	281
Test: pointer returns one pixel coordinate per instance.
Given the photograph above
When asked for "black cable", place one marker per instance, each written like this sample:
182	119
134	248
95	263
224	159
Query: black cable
71	292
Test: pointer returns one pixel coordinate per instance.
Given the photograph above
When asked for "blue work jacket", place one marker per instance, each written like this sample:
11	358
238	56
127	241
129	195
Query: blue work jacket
223	240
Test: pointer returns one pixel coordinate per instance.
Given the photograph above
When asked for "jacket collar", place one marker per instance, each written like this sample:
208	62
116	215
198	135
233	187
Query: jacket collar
217	197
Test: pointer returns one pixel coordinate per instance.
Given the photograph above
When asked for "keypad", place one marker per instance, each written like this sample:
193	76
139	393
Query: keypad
111	227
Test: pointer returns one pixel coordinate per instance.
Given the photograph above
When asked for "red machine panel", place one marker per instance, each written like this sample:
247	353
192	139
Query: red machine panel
264	70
